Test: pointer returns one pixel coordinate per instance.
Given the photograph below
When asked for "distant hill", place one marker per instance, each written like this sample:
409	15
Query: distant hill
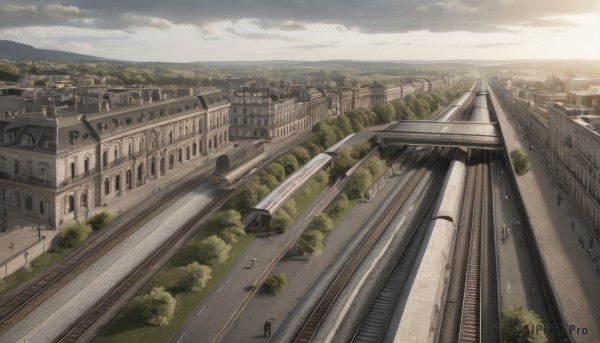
16	51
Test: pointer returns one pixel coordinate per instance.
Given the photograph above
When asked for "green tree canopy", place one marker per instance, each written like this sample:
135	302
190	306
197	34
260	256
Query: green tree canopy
276	283
311	242
213	250
343	160
289	163
231	218
360	149
516	326
99	220
359	183
74	234
195	276
301	154
321	222
276	170
520	161
281	220
157	307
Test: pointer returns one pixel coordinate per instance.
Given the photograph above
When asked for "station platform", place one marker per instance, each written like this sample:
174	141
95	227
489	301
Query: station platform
558	230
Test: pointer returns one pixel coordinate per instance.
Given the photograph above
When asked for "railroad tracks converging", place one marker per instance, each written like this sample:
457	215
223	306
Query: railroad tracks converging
317	316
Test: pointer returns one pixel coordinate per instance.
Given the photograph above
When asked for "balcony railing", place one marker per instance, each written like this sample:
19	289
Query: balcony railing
72	180
27	179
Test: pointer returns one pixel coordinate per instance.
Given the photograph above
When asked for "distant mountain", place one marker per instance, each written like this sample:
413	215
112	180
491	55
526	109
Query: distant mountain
16	51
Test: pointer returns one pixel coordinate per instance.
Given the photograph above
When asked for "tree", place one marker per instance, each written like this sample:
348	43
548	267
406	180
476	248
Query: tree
322	222
276	283
289	163
338	207
356	124
360	149
231	234
157	307
375	165
74	234
213	250
385	112
246	197
261	190
313	149
99	220
343	160
281	220
195	276
290	207
517	325
520	161
301	154
311	242
344	124
359	183
231	218
276	170
269	180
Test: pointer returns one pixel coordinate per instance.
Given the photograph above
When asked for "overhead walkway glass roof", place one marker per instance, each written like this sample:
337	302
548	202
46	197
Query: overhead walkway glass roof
435	133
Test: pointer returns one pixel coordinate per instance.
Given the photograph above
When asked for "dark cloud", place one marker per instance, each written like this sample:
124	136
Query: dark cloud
376	16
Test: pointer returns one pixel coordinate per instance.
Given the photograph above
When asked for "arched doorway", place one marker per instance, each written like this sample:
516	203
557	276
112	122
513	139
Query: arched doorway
171	161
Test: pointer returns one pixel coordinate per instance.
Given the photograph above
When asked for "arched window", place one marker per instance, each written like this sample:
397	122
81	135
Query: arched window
72	169
28	203
117	183
17	199
194	147
84	198
71	204
140	171
171	161
106	186
116	154
170	137
42	208
179	155
187	153
86	164
105	158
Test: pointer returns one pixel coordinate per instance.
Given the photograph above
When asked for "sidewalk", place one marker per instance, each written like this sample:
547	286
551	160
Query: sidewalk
573	273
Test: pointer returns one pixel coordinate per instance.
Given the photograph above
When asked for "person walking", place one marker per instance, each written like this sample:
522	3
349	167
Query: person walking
267	328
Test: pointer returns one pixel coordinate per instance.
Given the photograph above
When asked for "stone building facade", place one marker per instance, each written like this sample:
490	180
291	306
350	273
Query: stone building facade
262	113
56	165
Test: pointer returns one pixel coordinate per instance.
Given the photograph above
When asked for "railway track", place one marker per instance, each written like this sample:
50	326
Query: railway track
118	291
314	321
24	302
375	322
470	326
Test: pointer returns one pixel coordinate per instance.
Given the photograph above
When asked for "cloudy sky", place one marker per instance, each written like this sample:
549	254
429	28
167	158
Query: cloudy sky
215	30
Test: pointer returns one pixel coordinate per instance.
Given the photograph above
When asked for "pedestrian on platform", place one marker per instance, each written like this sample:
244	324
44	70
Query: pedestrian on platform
267	328
12	245
508	232
254	262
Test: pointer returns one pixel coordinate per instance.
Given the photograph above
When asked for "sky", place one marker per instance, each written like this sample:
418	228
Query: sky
250	30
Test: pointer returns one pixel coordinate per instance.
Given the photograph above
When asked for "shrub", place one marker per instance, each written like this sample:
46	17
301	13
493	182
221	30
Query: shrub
338	207
213	250
99	220
313	149
520	161
74	234
269	180
513	321
359	183
289	163
290	207
276	283
231	218
195	276
157	307
321	176
311	242
246	197
375	165
231	234
301	154
276	170
360	149
281	220
343	159
322	222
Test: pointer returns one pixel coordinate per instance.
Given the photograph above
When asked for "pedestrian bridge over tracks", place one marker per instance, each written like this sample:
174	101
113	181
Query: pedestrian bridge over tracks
434	133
